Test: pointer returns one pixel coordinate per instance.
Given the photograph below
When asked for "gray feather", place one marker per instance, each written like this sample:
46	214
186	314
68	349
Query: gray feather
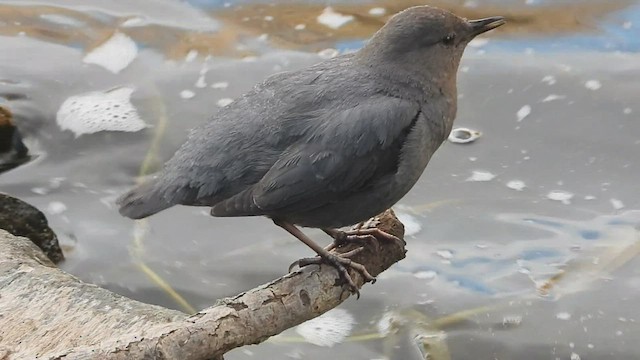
141	202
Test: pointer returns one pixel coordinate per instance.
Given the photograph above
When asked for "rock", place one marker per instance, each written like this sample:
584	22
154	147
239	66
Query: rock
13	152
22	219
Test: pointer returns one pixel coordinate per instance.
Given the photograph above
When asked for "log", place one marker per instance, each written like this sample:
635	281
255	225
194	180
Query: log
46	313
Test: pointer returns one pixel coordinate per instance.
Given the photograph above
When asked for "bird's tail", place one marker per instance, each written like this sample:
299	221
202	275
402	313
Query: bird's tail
142	201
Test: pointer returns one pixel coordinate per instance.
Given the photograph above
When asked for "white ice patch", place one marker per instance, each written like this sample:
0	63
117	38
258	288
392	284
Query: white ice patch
114	54
333	19
56	207
328	53
385	323
191	56
187	94
463	135
593	85
425	275
300	27
516	185
327	329
201	82
92	112
479	175
62	20
411	224
220	85
549	80
224	102
134	22
553	97
563	316
617	204
40	190
562	196
523	112
377	11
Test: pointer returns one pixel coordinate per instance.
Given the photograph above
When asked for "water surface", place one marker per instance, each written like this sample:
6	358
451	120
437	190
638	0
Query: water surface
522	244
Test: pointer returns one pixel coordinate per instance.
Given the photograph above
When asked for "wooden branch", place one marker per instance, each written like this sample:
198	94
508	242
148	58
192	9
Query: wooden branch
49	314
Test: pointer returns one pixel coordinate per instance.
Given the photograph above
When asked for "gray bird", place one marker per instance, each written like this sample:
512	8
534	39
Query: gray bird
330	145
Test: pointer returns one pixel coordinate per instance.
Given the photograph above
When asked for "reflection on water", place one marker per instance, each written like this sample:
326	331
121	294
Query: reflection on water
522	244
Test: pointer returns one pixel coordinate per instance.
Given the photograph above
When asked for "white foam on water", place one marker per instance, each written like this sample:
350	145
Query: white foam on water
463	135
411	224
593	85
40	190
425	275
201	82
62	20
523	112
134	22
516	185
479	175
549	80
191	55
328	329
332	19
56	207
187	94
92	112
328	53
559	195
617	204
553	97
377	11
224	102
114	54
220	85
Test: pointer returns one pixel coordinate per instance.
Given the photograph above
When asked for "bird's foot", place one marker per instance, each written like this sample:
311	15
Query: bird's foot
359	235
341	262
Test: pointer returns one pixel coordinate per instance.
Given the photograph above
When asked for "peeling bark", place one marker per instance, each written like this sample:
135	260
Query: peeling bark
49	314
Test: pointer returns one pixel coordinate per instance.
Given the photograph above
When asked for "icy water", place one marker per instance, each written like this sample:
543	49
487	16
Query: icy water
522	244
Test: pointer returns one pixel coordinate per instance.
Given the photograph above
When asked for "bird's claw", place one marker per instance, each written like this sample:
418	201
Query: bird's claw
359	235
344	238
340	262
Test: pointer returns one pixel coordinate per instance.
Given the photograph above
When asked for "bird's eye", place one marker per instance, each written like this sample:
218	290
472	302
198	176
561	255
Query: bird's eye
449	39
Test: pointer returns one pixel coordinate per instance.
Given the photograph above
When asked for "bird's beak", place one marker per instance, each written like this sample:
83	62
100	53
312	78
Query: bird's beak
483	25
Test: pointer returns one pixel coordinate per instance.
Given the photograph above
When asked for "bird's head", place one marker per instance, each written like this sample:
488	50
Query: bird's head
425	38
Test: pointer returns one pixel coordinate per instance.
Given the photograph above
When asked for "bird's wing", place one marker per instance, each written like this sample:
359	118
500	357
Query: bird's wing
340	151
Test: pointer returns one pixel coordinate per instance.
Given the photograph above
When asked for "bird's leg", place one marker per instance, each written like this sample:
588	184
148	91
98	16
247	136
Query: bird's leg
372	235
339	261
